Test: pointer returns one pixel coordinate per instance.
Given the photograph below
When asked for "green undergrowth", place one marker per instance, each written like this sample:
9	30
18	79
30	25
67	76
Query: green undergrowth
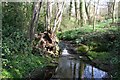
71	24
81	33
18	66
103	57
17	58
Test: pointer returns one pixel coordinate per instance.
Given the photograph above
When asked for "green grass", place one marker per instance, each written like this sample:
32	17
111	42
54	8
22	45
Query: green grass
71	24
82	31
20	65
105	57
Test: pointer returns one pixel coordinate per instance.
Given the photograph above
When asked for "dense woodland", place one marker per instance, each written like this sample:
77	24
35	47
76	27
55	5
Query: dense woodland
32	33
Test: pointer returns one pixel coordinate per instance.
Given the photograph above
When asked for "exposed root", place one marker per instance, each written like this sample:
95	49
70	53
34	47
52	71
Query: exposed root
47	43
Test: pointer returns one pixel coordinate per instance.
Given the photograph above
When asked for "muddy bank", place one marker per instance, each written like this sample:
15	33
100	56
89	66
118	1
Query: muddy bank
44	73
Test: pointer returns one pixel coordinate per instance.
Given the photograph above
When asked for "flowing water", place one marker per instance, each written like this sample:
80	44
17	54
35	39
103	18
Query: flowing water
71	67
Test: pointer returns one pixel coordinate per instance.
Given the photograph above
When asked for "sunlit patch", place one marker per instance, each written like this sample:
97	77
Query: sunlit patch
94	72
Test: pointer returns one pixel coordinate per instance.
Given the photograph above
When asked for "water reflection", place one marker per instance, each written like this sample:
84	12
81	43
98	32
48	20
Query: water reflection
71	68
91	71
81	70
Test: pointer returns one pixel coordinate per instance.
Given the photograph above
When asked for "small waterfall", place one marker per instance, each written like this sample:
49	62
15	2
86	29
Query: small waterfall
65	52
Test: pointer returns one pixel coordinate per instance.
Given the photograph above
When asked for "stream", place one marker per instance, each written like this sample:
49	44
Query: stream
71	67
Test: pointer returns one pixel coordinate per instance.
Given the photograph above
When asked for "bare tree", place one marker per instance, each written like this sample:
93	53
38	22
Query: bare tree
70	9
95	13
82	12
113	12
109	4
87	12
58	17
76	11
35	17
48	15
75	2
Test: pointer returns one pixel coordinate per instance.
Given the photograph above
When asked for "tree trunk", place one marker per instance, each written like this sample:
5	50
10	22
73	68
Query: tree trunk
87	13
48	15
70	9
44	9
75	9
58	17
113	12
35	17
82	13
109	4
95	13
94	19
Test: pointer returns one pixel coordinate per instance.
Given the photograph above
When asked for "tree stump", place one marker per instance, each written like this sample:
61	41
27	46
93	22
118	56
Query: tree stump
47	43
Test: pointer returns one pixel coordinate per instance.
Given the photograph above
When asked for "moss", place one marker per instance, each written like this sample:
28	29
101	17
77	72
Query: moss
83	48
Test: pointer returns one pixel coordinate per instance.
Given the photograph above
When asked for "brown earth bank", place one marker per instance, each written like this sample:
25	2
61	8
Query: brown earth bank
44	73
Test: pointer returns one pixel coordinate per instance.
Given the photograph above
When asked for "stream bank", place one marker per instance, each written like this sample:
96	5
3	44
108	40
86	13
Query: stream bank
71	65
72	49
